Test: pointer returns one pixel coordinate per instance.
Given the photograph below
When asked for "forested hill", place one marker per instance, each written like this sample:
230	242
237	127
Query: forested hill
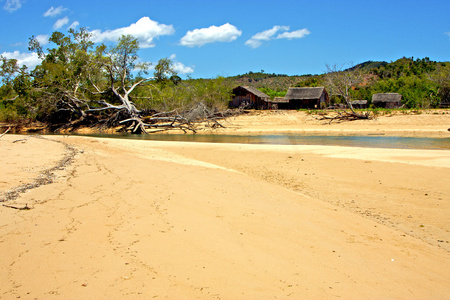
422	82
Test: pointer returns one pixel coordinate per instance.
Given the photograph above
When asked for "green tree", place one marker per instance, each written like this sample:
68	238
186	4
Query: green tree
15	91
8	70
165	73
61	81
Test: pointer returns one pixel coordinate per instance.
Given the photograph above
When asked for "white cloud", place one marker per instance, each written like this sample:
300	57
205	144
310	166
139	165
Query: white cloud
200	37
42	39
53	12
256	40
144	29
60	23
74	25
12	5
179	67
31	60
447	33
298	34
267	35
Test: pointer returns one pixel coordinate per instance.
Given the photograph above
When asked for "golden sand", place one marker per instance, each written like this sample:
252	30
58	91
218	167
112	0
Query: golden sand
173	220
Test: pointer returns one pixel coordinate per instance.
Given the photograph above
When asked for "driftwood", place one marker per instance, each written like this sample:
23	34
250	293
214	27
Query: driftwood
17	207
192	120
22	140
1	135
342	116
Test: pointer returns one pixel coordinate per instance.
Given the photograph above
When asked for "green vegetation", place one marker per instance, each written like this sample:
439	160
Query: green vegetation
77	82
422	83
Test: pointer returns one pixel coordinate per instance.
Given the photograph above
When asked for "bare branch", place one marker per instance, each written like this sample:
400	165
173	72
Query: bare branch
1	135
137	84
340	82
107	106
12	98
22	140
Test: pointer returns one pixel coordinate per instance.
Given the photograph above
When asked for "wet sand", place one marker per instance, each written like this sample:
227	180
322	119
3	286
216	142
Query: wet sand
147	219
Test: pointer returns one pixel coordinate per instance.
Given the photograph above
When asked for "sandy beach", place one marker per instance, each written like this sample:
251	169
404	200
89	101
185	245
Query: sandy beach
136	219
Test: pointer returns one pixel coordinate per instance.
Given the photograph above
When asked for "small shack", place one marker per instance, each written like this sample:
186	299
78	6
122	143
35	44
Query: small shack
249	97
279	103
387	100
359	104
307	97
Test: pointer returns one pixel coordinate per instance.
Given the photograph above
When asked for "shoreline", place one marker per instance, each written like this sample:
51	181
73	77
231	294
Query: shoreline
434	124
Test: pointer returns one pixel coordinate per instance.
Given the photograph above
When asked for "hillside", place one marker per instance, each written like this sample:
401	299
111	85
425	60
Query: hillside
422	82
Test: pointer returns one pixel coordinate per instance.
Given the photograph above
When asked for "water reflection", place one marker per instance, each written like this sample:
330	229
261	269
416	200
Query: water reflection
298	139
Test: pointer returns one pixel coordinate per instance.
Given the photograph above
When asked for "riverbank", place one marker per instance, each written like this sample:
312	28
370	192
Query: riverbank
148	219
423	123
431	123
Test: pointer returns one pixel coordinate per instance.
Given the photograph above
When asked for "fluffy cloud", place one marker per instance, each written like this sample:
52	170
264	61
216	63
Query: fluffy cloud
12	5
179	67
60	23
144	29
267	35
31	60
200	37
74	25
42	39
447	33
53	12
298	34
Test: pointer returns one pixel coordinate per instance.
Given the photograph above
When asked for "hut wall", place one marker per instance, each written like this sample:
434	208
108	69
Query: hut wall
387	104
393	104
323	100
304	103
250	100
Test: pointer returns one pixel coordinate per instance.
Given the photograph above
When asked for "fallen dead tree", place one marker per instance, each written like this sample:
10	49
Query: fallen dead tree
197	118
77	86
343	116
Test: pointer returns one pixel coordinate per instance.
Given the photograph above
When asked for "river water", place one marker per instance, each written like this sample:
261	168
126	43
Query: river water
370	141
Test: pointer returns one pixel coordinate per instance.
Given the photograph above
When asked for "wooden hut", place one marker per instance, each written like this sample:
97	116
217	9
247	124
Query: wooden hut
387	100
307	97
249	97
279	103
359	104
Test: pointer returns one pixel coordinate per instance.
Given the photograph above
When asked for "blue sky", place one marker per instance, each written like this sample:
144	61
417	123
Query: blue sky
208	38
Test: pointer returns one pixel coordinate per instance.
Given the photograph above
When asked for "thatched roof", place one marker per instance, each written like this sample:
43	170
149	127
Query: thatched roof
304	93
280	100
360	102
252	90
386	97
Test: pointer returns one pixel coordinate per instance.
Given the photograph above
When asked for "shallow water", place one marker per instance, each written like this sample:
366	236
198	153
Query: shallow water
370	141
